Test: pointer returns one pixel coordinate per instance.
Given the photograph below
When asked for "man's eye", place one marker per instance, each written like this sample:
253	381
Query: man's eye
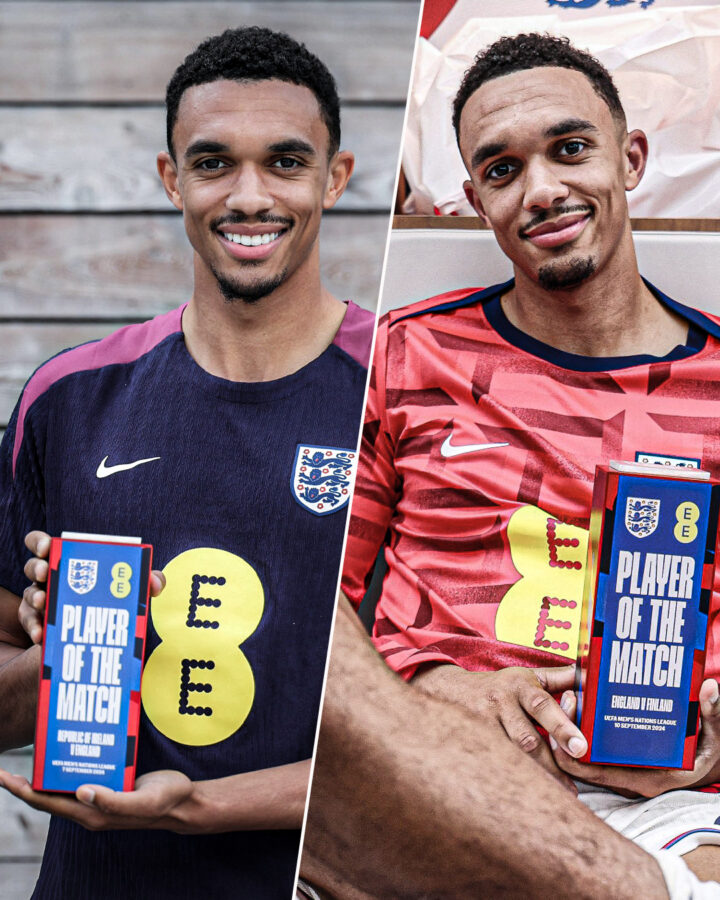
572	148
211	165
286	162
499	170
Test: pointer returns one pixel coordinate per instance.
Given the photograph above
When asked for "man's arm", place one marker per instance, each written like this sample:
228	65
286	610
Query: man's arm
264	799
19	668
413	797
515	699
518	698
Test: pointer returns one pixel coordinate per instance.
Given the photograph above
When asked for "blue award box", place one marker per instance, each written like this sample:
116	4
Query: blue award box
93	643
653	532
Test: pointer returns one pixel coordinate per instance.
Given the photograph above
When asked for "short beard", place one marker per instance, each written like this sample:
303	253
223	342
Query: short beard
558	276
248	293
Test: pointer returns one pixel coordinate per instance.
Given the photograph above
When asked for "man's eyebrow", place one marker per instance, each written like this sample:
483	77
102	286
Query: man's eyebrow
485	152
205	146
565	127
293	145
568	125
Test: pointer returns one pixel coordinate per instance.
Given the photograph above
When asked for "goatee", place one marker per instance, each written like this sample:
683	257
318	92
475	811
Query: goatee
558	276
233	290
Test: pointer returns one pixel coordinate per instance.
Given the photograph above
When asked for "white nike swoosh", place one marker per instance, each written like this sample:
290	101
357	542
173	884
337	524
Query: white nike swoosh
103	471
448	450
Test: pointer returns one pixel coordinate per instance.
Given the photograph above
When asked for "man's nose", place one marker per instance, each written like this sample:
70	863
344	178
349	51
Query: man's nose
249	192
544	187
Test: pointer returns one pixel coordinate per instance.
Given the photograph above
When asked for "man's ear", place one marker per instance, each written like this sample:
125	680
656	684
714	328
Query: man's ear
474	201
635	150
168	175
340	170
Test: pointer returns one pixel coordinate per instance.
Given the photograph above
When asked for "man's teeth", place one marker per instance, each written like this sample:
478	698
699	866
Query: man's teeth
251	240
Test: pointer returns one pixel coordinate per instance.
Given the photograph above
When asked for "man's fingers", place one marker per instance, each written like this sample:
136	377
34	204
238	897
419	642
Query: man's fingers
31	620
34	597
708	748
38	543
108	801
522	732
32	628
36	570
120	803
557	679
154	796
56	804
568	704
710	699
544	710
157	582
31	611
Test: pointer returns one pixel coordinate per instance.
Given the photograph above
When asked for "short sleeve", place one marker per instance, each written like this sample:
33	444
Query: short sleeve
376	485
22	506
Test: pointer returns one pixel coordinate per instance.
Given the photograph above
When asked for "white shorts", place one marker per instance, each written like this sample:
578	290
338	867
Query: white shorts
678	821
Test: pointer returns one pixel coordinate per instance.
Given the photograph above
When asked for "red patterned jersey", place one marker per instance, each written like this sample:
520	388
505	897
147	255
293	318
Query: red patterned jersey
476	473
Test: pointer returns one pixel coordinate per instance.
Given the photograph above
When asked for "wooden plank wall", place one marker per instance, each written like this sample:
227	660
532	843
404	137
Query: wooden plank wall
88	240
87	237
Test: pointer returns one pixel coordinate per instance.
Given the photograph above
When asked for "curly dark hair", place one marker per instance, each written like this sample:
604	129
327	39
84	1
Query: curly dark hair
531	51
255	54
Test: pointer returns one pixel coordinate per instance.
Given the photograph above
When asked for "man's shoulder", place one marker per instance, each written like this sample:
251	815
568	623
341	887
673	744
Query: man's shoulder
125	345
708	318
706	321
440	303
356	333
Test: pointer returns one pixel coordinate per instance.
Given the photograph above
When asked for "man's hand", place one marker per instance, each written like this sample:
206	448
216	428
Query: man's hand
32	608
632	781
98	808
519	699
251	801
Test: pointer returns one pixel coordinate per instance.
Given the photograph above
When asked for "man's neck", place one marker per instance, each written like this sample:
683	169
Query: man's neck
261	341
615	315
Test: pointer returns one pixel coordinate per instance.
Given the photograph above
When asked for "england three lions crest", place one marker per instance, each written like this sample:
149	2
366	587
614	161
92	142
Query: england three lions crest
322	478
82	575
641	516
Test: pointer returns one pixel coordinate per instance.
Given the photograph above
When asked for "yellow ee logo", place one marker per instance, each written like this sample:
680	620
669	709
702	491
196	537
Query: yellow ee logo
198	687
120	585
542	609
686	515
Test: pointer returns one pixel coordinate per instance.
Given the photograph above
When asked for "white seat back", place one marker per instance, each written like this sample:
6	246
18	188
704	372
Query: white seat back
423	262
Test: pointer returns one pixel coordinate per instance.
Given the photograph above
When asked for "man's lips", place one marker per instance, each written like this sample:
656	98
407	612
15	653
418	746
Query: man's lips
558	232
251	241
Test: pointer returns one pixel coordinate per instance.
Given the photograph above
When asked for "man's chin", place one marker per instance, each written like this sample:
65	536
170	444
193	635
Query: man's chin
248	291
560	276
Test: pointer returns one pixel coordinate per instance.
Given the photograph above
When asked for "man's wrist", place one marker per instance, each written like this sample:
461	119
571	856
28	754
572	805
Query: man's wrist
18	698
265	799
191	815
441	680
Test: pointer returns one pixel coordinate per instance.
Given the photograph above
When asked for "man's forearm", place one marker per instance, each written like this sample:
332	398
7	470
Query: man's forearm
18	695
19	671
252	801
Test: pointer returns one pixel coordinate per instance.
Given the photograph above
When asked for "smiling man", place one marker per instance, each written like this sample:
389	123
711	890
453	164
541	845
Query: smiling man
216	434
489	410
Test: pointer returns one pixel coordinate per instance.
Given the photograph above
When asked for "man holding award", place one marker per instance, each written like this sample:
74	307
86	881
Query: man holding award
489	412
216	433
